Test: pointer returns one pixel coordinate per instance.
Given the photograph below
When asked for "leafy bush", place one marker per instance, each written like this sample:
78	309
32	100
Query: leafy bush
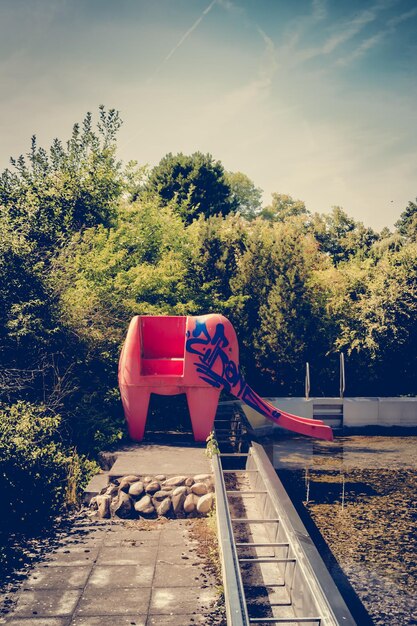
37	474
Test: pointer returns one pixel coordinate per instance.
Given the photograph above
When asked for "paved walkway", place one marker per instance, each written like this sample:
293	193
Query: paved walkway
111	573
153	458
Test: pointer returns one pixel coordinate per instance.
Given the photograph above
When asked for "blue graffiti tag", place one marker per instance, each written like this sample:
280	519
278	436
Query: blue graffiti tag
211	355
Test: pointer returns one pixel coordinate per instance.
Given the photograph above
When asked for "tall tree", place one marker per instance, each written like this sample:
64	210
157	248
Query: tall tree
407	224
246	197
278	309
283	207
47	195
341	236
197	183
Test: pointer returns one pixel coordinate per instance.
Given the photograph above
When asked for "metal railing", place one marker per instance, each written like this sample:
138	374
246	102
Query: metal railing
311	596
342	385
236	610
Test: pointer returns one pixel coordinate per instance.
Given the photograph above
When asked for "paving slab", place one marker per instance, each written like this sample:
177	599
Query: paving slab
59	577
131	537
143	555
71	557
114	602
171	460
175	536
47	603
128	576
38	621
173	601
119	620
176	620
183	576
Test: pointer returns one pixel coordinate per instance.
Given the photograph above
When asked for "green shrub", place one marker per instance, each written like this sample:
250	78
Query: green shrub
38	476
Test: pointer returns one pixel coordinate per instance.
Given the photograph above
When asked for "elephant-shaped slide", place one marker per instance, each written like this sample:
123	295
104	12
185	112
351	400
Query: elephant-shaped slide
198	356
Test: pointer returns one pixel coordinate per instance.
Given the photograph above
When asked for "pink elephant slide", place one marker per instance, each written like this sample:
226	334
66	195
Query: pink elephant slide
198	356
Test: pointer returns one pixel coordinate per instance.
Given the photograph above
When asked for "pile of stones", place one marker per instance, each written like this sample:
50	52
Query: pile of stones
131	497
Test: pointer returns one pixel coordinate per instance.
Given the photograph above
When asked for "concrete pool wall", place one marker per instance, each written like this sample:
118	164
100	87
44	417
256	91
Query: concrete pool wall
347	412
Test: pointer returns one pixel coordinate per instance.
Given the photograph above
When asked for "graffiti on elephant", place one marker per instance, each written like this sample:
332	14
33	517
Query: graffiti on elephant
216	367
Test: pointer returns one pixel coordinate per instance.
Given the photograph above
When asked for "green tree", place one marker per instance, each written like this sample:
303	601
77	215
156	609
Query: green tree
48	195
278	313
341	236
375	304
211	259
282	208
197	183
407	224
245	196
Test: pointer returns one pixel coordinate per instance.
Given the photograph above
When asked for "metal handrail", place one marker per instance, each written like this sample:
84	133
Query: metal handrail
342	385
307	381
329	602
236	610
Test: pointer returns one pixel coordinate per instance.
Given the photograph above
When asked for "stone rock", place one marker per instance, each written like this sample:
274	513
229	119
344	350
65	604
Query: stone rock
175	481
178	501
159	496
152	487
147	480
136	489
178	490
123	505
200	489
112	489
126	481
190	503
205	503
103	506
144	505
93	503
160	477
200	477
164	506
189	481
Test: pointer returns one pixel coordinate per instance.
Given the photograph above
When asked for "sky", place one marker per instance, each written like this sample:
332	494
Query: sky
312	98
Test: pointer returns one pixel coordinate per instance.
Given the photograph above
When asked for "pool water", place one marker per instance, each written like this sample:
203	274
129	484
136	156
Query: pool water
357	498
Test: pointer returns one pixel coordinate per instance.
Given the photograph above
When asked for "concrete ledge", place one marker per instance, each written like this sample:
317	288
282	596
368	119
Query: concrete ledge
357	412
397	412
96	484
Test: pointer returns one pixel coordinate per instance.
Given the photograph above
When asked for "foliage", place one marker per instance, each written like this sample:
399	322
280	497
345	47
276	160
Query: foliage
212	446
48	195
245	196
341	237
375	303
197	183
35	468
282	208
279	313
407	224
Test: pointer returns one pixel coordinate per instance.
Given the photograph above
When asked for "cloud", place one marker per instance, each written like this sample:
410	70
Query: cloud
371	42
319	9
403	17
365	45
269	64
189	31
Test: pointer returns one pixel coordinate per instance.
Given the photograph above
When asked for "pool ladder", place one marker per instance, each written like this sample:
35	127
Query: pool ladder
272	571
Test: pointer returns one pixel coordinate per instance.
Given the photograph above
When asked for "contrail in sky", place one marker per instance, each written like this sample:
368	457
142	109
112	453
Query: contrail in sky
189	31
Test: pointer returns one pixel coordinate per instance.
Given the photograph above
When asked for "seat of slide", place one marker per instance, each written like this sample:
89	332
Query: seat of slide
163	345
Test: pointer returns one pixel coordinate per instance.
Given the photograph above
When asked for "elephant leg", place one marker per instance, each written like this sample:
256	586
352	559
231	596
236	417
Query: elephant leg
202	403
136	412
